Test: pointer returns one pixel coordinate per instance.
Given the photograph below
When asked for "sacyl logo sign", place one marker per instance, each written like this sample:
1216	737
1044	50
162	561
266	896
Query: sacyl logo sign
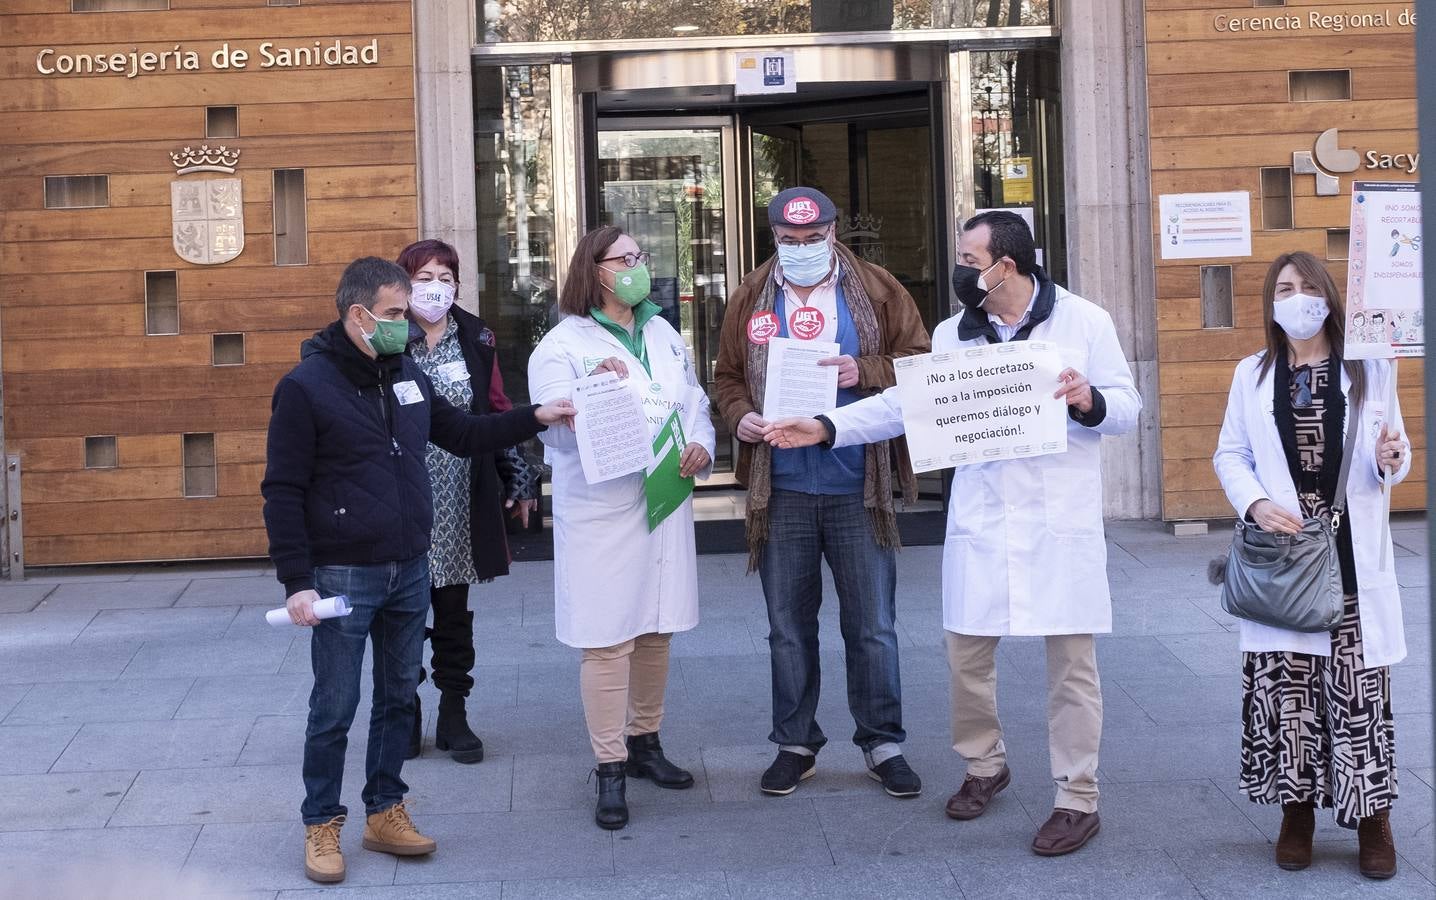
1327	160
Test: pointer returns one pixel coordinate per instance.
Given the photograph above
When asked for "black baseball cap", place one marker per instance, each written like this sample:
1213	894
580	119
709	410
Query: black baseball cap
801	207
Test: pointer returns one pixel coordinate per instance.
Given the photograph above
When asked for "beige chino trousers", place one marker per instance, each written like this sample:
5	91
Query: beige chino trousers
622	688
1074	712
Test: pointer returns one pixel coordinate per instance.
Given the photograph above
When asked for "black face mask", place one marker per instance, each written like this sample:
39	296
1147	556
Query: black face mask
964	285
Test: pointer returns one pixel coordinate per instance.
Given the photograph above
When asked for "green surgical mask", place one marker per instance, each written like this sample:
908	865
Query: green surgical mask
389	337
631	285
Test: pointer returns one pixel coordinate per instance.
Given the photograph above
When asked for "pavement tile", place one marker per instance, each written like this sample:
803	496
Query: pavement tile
45	864
21	598
471	890
1172	752
279	741
33	749
67	800
112	595
1095	872
1229	867
175	624
173	744
1207	655
91	662
880	828
1160	615
1410	691
510	846
206	658
43	627
688	886
890	879
202	796
246	695
239	590
1207	700
437	784
270	855
100	701
754	835
1157	814
11	695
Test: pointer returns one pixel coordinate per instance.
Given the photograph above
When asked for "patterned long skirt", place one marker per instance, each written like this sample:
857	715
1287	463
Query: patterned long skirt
1318	729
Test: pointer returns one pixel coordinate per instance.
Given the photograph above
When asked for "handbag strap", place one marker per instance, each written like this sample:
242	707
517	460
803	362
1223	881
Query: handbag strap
1338	504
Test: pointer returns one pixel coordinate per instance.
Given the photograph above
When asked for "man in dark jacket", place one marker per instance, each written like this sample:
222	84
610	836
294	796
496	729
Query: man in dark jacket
348	510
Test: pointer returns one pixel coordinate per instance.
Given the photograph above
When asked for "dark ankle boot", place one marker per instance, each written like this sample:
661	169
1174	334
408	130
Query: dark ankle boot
452	733
612	810
1293	845
646	760
416	736
1377	846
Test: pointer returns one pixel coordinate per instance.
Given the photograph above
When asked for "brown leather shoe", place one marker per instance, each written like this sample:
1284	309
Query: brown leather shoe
972	798
1065	831
392	831
1293	845
1378	848
323	862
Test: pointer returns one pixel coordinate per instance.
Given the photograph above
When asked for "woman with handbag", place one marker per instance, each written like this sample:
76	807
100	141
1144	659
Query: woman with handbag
471	497
1316	704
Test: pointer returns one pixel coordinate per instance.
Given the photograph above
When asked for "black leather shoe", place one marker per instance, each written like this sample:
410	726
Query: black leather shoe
416	736
452	733
646	760
787	770
897	777
612	810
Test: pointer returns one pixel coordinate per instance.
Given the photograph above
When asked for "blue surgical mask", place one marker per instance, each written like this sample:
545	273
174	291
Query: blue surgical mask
806	264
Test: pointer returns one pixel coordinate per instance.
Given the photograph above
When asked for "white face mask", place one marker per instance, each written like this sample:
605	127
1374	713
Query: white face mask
430	300
1300	315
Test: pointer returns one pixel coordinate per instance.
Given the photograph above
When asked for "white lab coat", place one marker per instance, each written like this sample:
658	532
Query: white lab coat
613	579
1252	466
1025	552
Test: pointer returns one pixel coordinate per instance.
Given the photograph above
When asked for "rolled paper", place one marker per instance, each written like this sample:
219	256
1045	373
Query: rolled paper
324	608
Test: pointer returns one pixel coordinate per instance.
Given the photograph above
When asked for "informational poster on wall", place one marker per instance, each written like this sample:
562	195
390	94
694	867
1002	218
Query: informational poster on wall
982	404
1017	179
764	72
1383	281
1205	226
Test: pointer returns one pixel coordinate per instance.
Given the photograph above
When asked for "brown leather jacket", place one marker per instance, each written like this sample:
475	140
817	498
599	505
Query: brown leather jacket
903	334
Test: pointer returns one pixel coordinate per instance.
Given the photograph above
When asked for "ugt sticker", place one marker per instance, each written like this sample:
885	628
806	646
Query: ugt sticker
806	323
763	327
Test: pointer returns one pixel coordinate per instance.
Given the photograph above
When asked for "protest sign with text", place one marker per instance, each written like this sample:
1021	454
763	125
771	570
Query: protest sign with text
982	404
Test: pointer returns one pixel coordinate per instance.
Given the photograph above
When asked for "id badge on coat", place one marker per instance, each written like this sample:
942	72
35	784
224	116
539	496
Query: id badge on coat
458	370
408	393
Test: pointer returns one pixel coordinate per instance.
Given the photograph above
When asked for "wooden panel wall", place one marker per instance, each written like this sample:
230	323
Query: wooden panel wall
1219	111
76	359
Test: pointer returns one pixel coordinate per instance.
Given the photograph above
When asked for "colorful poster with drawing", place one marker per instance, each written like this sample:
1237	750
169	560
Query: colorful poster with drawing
1383	282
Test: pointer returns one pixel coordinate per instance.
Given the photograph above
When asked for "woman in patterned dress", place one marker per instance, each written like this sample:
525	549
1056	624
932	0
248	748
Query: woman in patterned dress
469	543
1316	708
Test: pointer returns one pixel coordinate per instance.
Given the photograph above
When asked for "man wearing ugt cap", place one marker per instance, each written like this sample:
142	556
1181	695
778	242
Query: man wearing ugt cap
816	503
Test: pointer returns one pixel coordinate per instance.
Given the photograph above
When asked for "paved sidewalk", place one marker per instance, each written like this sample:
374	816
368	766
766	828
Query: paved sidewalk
151	727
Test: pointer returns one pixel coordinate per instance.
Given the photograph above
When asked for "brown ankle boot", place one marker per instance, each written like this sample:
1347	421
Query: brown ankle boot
1293	846
1378	848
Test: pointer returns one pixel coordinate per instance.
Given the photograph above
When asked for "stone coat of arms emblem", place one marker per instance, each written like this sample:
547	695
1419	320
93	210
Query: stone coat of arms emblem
207	213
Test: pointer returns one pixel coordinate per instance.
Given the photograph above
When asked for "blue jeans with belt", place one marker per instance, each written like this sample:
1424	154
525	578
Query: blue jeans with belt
803	530
390	602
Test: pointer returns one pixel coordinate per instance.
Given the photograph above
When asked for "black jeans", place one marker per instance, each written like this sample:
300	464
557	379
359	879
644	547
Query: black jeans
451	640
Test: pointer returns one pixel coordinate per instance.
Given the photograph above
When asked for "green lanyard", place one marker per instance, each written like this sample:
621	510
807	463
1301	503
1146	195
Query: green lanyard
634	342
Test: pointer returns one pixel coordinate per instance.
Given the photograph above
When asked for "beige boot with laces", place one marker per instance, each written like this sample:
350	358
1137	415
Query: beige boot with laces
323	862
392	831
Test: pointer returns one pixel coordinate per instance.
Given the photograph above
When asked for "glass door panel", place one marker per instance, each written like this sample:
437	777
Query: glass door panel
665	187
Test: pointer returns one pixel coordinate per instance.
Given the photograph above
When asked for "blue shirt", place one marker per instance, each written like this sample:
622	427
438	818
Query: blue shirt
820	470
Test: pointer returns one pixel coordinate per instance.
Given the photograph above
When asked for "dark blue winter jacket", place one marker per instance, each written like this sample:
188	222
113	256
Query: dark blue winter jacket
346	482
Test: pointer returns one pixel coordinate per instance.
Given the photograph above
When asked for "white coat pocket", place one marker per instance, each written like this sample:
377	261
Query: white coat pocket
1072	502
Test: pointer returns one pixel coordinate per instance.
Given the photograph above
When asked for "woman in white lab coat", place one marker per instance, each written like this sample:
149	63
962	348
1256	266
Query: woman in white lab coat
1316	708
621	590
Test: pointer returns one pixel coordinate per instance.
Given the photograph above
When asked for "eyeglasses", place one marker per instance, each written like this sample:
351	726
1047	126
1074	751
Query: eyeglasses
1302	400
630	260
806	242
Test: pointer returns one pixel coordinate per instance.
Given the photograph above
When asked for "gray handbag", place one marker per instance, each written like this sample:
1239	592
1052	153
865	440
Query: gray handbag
1290	581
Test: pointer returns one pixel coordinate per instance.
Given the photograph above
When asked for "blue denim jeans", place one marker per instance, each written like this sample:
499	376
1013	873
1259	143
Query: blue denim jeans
391	602
803	530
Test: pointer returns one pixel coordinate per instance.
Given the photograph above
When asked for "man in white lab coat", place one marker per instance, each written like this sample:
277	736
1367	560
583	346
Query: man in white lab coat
1025	552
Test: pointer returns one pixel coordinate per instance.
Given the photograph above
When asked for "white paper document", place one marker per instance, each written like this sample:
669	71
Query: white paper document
612	431
797	385
324	608
982	404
